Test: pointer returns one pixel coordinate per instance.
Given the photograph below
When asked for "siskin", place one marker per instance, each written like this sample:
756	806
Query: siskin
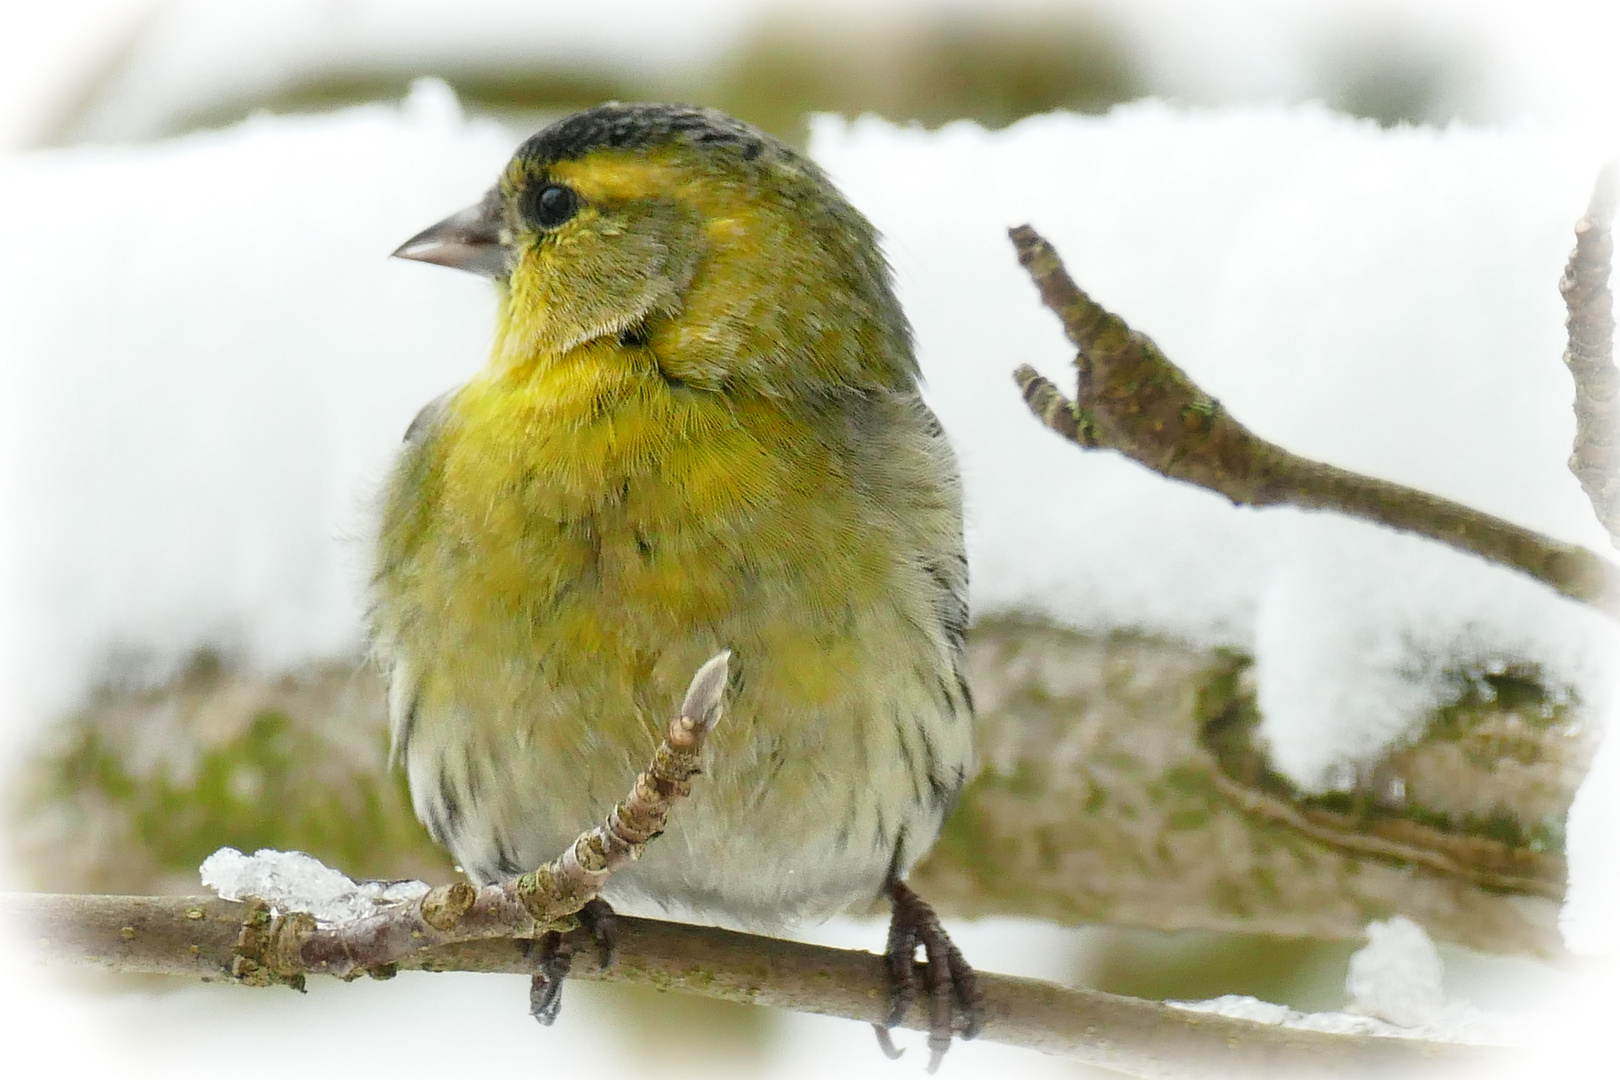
699	428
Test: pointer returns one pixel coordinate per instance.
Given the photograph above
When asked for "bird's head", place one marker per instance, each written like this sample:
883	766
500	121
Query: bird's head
681	237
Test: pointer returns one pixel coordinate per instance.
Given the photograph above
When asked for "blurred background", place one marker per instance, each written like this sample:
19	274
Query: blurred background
128	70
259	772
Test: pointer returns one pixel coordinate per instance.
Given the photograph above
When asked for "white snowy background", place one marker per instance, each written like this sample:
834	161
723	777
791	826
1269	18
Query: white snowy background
206	363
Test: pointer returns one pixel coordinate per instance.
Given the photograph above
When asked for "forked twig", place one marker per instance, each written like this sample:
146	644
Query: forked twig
1132	399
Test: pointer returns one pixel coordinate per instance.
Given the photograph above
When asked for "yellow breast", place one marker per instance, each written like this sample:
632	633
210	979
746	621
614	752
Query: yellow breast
595	525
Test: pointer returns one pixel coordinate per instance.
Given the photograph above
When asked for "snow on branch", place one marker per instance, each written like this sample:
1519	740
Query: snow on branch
1133	399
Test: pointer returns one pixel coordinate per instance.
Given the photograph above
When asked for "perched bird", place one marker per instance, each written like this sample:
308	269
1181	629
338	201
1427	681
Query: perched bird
699	428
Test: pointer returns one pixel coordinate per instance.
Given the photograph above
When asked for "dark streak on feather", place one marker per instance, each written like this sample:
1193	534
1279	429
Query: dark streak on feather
407	727
435	826
641	127
505	863
947	793
896	860
949	574
451	803
883	832
901	731
967	691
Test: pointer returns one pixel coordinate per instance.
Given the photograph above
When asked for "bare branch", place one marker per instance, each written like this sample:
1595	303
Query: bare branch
281	948
1590	356
1134	400
199	937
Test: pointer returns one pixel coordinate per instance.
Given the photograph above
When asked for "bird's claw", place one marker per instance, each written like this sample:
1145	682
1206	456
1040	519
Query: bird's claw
955	1003
553	954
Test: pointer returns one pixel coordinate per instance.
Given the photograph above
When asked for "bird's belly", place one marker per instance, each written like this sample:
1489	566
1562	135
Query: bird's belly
841	744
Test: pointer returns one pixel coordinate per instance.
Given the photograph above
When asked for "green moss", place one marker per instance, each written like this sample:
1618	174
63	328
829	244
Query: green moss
1263	881
1188	819
1547	835
1047	847
1189	779
1231	898
272	780
1121	761
1191	965
1424	815
1022	781
1096	798
966	841
1339	802
1475	720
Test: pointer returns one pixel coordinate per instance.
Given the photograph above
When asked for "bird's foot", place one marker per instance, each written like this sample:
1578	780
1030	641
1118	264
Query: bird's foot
553	954
955	1004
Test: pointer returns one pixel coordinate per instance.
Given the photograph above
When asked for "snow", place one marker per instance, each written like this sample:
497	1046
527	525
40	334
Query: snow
1396	990
1459	1023
1362	632
1397	976
295	881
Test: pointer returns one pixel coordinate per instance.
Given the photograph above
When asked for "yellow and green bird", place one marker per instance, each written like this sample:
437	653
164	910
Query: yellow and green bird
699	428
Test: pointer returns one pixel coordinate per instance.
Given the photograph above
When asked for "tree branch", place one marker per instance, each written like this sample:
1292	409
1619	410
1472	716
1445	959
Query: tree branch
1132	399
1590	356
200	937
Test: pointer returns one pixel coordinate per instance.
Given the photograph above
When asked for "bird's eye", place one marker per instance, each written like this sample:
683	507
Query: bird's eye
553	205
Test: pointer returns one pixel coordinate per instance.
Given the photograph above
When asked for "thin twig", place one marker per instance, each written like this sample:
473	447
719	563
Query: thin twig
1590	356
285	947
197	937
1134	400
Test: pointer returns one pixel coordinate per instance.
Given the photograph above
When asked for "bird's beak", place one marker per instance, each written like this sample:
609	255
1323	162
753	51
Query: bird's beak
469	240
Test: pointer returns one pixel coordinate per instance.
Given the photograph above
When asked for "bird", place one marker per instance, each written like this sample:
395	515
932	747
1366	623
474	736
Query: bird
700	427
